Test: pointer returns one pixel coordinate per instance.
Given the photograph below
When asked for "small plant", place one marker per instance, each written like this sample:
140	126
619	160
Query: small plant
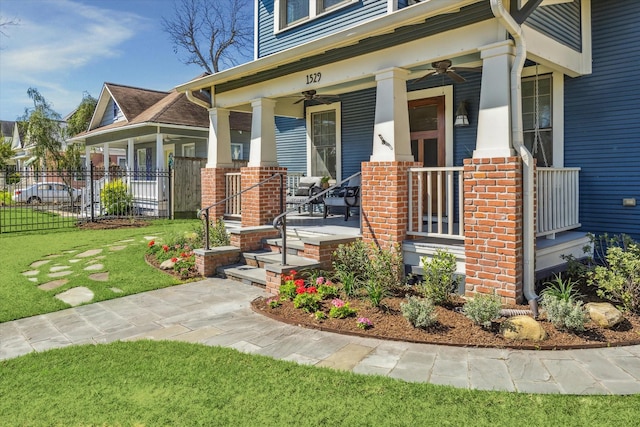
319	315
562	289
218	235
385	265
439	280
340	309
308	302
350	282
376	292
116	199
564	314
420	312
274	302
288	288
352	258
483	309
619	279
327	291
364	323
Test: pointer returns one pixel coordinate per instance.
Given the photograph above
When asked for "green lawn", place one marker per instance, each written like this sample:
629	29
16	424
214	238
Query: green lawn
18	219
128	271
170	383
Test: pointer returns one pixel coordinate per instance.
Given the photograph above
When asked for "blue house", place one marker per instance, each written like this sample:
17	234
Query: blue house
499	130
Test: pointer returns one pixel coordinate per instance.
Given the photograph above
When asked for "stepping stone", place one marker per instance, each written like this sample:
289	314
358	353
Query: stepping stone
94	267
90	252
100	277
148	238
73	261
33	279
59	268
60	273
39	263
126	241
31	273
116	290
101	257
117	248
76	296
52	256
70	252
53	284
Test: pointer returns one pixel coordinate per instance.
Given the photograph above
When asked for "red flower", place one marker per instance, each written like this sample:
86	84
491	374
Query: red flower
174	259
183	255
151	243
288	278
300	290
311	290
165	248
299	282
293	272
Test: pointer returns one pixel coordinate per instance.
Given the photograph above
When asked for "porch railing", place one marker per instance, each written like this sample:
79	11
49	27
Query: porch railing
233	206
439	192
558	200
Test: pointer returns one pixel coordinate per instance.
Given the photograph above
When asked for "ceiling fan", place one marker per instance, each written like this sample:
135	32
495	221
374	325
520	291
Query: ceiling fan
312	95
444	68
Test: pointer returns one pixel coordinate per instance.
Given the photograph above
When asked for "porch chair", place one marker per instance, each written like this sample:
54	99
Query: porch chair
346	196
307	187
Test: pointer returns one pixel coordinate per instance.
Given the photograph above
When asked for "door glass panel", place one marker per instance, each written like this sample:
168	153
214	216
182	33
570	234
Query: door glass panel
430	153
323	144
423	118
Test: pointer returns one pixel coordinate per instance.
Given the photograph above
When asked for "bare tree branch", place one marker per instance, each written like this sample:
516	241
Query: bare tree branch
214	34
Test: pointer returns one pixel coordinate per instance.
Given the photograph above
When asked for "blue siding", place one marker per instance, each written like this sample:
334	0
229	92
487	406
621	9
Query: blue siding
291	141
358	116
602	121
108	117
560	22
269	42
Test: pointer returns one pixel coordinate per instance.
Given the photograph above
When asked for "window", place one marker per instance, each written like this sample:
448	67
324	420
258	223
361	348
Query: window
189	150
292	12
236	151
538	99
323	141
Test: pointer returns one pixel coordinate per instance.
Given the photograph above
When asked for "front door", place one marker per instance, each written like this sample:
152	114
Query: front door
427	127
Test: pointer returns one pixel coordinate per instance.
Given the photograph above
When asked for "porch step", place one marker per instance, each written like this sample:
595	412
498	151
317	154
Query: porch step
261	258
244	273
294	245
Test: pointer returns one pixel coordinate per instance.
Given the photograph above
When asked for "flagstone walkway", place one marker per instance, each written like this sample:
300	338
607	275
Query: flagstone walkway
217	312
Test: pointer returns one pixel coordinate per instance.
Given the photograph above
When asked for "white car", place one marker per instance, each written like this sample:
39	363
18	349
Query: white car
46	192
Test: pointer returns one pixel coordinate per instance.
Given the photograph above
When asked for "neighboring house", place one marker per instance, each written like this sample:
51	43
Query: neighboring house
149	126
447	99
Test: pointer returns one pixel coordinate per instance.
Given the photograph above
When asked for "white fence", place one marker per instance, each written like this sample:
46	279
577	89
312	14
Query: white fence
439	190
558	200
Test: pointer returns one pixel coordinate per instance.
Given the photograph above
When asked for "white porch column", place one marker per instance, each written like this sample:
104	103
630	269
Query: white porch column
159	152
105	156
219	148
130	155
263	134
391	136
87	156
494	117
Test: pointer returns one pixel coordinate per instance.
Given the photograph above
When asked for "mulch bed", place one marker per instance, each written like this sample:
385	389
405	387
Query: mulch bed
109	224
452	328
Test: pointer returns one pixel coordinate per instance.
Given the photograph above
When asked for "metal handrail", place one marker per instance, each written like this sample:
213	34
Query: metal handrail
280	222
204	213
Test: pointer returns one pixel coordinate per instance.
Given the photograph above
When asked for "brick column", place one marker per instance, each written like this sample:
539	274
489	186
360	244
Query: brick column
213	189
262	204
385	201
493	227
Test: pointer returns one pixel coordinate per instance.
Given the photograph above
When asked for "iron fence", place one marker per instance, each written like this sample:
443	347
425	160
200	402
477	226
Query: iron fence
46	199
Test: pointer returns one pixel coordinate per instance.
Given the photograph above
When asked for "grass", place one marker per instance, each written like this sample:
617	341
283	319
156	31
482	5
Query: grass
127	268
18	219
171	383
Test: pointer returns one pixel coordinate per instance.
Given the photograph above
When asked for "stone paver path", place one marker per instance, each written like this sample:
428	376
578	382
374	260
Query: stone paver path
217	312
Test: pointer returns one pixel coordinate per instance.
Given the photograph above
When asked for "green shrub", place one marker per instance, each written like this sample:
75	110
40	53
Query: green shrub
307	302
351	284
438	278
385	265
483	309
13	178
327	291
116	199
564	314
376	291
352	258
218	235
562	289
420	312
5	198
619	279
288	290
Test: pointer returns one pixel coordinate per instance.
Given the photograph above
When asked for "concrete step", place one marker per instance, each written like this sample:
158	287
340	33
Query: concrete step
294	245
244	273
260	258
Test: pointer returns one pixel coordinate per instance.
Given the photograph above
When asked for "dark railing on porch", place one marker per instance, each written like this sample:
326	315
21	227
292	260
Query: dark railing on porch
204	213
280	222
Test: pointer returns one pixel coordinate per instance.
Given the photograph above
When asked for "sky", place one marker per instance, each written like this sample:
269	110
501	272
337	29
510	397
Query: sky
67	47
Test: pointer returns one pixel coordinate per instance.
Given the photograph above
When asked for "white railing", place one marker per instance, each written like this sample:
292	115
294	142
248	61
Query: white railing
558	200
434	199
233	186
293	181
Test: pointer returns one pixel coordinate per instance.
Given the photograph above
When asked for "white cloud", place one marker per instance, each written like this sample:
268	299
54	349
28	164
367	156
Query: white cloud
63	35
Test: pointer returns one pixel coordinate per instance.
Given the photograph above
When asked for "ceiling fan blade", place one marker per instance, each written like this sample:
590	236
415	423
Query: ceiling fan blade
325	100
299	100
474	70
419	79
456	77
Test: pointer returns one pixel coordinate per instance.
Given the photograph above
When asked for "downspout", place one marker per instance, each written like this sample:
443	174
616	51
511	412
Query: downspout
528	285
197	101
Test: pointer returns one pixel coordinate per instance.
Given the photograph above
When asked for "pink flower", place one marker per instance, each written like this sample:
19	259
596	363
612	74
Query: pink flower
320	280
337	302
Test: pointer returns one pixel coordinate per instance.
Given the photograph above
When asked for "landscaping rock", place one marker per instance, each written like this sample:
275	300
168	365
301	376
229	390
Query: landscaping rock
604	314
523	328
167	265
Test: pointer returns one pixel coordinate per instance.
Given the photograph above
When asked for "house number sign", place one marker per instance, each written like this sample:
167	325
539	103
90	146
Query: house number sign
314	78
